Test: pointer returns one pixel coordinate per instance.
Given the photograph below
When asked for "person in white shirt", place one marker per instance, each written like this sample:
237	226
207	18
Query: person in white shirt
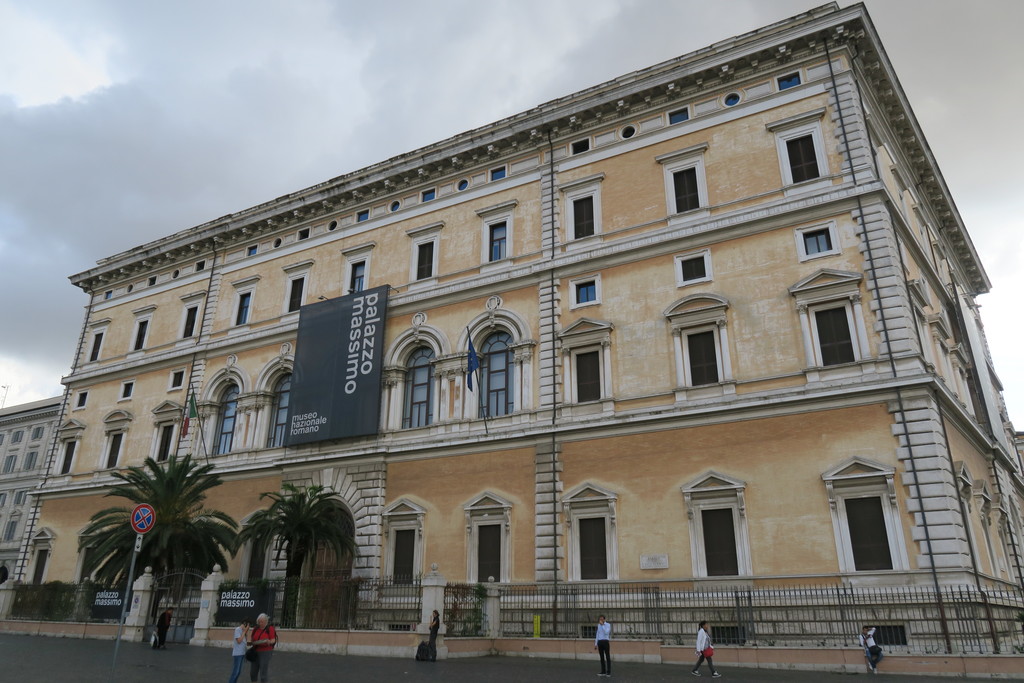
704	650
602	643
872	650
238	649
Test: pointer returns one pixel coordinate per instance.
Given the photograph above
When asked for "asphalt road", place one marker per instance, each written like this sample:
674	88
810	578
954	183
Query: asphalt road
26	659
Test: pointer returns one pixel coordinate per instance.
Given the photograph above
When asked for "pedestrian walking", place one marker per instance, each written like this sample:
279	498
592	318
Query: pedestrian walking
163	623
435	626
238	646
705	650
602	643
872	650
264	638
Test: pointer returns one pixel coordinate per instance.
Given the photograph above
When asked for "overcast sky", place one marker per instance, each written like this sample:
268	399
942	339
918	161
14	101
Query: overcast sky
125	121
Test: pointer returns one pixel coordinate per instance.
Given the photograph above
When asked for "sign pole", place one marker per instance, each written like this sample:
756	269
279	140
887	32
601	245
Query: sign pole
124	602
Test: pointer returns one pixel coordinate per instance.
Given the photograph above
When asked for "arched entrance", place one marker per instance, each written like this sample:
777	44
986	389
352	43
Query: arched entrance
180	591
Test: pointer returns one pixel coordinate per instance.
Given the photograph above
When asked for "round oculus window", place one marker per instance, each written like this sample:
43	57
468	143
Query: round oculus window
332	225
628	132
277	242
396	205
732	99
463	184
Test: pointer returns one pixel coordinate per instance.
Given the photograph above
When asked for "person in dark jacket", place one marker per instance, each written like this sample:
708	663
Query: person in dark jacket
162	625
435	626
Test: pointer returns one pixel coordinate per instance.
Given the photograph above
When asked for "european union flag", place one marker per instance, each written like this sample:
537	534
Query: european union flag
474	364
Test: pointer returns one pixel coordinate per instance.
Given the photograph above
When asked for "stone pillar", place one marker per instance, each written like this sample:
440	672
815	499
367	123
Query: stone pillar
207	606
432	587
6	599
142	602
492	612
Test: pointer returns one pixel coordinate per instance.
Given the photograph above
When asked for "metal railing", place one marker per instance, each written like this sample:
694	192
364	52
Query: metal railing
464	609
910	619
59	601
335	603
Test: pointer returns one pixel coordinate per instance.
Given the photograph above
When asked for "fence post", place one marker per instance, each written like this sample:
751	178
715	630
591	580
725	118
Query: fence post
6	599
432	591
207	606
142	600
492	612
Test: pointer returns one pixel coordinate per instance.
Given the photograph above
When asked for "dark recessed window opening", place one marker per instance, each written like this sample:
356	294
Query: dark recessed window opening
817	241
163	451
130	288
395	205
126	389
583	217
869	539
244	301
304	234
115	449
593	550
175	274
82	398
463	184
277	242
107	294
678	116
498	173
703	358
498	235
424	260
732	99
363	215
803	164
295	296
191	313
200	265
586	292
628	132
687	194
488	552
332	226
357	280
97	342
588	376
428	195
140	335
177	379
719	542
251	251
152	280
693	268
834	338
790	81
580	146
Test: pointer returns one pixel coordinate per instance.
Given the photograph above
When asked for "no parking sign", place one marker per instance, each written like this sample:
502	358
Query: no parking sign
143	518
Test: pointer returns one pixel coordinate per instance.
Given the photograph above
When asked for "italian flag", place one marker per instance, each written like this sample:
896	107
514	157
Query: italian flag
193	411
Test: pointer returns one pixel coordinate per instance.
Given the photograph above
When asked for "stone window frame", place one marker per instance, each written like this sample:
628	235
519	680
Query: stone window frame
823	290
705	254
589	186
859	477
98	327
293	272
700	312
716	491
168	413
477	512
353	257
801	245
143	317
403	514
419	237
243	287
493	215
581	280
116	422
792	128
682	160
590	501
583	336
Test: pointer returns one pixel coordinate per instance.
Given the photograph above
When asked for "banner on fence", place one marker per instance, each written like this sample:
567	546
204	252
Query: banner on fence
244	602
106	604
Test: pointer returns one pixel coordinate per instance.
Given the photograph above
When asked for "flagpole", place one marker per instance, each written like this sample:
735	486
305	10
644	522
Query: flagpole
473	367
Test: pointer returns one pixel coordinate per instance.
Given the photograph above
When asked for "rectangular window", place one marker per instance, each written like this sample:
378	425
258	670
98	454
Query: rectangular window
37	433
107	294
10	530
127	389
19	497
790	81
16	437
357	280
1	439
583	217
686	192
30	461
3	499
497	173
97	342
363	215
114	449
303	234
424	260
251	251
428	195
834	338
9	462
586	292
719	542
581	146
69	456
498	232
703	354
177	379
488	552
817	241
295	296
405	553
678	116
42	556
803	163
593	550
152	280
588	376
163	450
140	335
693	269
868	537
200	265
191	314
83	396
244	302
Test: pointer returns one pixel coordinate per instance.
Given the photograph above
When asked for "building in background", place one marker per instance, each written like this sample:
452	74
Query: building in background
720	314
26	436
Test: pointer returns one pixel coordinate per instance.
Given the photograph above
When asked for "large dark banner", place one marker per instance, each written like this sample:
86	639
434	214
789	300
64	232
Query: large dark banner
338	361
244	602
106	604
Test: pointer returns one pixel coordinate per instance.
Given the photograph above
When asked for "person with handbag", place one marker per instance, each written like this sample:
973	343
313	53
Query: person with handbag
264	638
238	650
872	650
705	651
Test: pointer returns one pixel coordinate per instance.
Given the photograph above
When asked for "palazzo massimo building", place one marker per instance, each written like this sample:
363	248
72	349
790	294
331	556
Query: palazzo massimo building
724	313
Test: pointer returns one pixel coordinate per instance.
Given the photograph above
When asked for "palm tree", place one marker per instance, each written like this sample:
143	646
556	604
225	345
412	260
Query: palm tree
301	520
186	534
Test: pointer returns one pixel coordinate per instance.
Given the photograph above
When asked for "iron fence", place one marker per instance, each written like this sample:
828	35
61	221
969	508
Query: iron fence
334	603
59	601
909	619
464	609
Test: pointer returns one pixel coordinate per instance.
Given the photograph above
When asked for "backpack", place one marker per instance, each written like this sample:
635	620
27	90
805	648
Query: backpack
423	652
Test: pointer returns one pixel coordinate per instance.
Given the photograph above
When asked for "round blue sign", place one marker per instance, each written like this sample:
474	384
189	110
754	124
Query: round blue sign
143	518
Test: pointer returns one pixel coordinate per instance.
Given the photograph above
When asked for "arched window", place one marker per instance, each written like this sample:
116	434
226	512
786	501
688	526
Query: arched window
419	378
279	415
497	390
226	420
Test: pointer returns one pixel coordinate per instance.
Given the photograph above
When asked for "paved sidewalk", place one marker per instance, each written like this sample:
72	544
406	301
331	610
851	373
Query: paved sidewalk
27	659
